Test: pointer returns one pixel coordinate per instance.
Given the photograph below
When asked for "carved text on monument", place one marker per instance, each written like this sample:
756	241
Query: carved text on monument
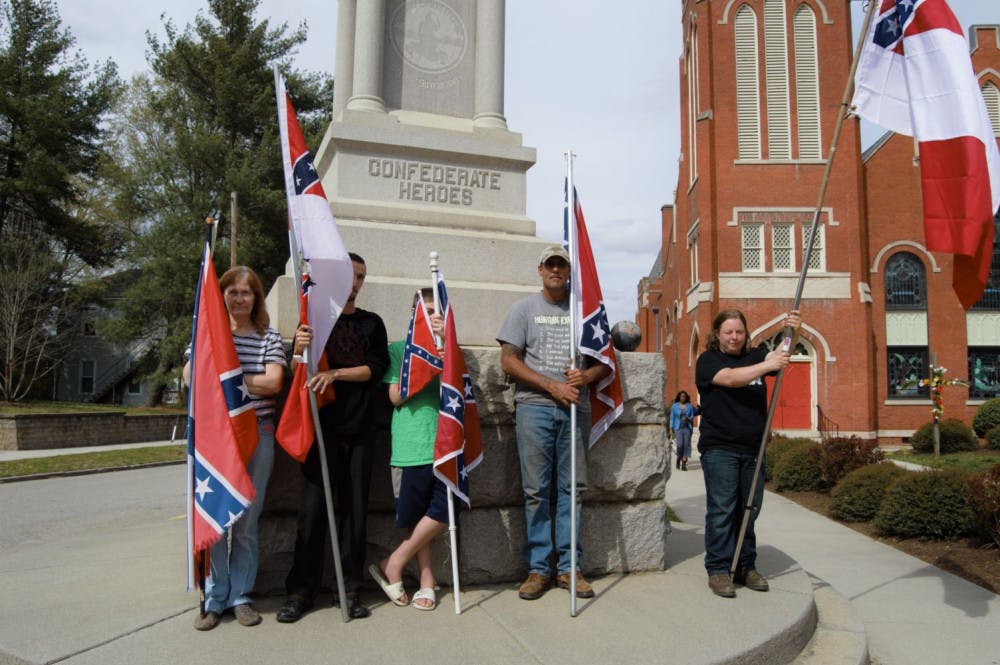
434	183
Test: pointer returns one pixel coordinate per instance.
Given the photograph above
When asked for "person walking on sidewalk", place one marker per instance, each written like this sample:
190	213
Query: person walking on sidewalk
682	415
535	350
234	559
730	379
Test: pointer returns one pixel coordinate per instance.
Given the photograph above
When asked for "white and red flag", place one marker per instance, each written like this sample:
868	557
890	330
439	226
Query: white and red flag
593	331
326	283
222	424
458	446
916	78
421	360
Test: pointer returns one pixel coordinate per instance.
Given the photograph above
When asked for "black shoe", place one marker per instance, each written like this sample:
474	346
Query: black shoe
678	462
293	609
355	609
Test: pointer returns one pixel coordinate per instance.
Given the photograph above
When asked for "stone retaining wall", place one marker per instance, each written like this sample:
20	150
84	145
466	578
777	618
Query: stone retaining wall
623	521
41	431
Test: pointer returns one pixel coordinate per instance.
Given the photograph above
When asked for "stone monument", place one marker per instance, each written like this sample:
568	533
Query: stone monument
418	158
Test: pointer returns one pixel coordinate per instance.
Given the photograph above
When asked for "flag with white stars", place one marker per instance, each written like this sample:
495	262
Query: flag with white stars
915	77
327	276
593	331
458	446
222	425
421	361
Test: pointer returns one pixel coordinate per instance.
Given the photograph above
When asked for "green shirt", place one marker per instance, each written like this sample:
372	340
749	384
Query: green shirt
414	422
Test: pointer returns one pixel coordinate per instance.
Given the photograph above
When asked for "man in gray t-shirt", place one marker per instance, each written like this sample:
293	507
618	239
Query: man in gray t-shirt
535	351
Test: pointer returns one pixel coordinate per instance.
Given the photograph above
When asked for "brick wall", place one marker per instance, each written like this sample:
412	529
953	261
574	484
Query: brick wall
71	430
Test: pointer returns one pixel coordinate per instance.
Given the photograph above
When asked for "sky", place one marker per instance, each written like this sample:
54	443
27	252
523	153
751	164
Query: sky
597	78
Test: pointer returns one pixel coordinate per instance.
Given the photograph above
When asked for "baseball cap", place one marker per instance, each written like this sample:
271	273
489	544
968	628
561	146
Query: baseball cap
553	250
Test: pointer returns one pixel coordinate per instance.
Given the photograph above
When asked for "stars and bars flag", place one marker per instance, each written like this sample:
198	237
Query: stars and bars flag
327	281
593	331
421	360
915	77
222	424
458	445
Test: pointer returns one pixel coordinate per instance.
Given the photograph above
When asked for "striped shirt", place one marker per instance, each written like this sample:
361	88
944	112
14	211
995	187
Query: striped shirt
255	351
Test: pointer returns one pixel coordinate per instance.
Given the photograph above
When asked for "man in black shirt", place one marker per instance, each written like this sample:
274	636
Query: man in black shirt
357	353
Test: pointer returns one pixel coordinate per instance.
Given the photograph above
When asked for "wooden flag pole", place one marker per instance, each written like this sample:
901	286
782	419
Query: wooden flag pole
788	331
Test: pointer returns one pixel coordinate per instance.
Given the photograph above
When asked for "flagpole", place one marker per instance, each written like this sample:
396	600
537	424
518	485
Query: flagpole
452	530
297	261
788	331
571	239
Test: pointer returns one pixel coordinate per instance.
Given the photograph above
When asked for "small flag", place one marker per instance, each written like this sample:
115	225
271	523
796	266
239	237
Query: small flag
421	361
222	424
916	78
593	331
458	446
327	282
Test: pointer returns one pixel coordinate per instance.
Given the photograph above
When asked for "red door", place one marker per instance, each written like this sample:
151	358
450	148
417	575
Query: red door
794	409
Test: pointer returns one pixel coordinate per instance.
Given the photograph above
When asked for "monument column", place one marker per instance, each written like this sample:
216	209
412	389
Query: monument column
343	76
489	65
368	57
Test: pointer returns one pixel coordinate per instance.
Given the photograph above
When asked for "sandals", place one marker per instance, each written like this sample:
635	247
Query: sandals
393	590
427	593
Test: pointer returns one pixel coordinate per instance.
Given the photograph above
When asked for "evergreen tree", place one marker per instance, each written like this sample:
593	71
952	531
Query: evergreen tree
203	125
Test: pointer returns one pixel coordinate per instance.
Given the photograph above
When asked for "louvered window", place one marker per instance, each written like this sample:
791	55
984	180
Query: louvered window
776	84
747	84
992	96
807	83
692	74
783	247
753	247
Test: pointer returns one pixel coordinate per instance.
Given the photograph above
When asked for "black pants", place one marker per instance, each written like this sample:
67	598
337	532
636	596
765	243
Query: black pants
350	464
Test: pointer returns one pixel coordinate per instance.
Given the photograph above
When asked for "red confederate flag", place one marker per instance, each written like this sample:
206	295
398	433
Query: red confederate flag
327	277
593	331
458	446
915	77
421	361
222	426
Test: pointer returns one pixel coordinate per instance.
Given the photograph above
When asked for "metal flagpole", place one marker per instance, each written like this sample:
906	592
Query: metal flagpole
571	238
452	530
320	442
788	331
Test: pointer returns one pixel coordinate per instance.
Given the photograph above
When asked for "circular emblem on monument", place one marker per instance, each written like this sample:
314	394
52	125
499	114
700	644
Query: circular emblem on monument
429	36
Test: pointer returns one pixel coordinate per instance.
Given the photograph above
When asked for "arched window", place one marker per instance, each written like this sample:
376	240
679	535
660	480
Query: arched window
992	96
776	73
807	83
905	283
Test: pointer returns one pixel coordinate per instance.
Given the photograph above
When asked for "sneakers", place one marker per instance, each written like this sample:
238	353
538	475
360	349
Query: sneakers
752	580
583	588
206	621
534	586
720	585
247	615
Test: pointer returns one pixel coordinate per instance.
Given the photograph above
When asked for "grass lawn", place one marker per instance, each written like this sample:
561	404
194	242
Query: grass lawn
108	459
973	460
33	407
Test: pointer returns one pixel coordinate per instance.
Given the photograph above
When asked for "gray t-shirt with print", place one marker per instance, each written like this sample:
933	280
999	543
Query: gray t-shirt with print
541	330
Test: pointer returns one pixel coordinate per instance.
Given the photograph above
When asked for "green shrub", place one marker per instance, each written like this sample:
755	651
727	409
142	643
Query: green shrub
993	438
776	449
929	505
955	436
857	497
840	456
984	500
799	470
987	416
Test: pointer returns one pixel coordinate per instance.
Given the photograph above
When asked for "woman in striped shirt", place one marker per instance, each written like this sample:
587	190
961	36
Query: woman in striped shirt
262	358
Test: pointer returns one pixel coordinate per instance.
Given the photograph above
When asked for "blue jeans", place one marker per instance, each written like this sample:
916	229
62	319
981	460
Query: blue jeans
683	438
235	557
728	476
543	446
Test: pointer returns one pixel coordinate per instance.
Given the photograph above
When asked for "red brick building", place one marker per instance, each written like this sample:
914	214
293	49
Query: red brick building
762	83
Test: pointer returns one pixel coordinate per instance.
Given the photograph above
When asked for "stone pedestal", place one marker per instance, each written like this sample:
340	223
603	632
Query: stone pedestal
623	520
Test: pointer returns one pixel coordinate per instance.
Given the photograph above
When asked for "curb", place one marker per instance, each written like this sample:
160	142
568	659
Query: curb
87	472
840	637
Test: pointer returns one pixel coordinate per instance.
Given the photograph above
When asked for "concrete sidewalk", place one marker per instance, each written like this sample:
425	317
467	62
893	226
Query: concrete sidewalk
94	601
